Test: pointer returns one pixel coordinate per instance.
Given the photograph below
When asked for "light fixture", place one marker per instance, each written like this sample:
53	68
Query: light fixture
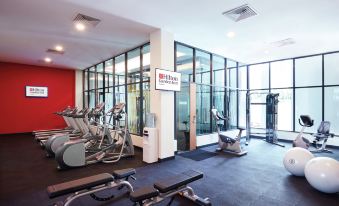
59	48
80	26
230	34
48	60
266	51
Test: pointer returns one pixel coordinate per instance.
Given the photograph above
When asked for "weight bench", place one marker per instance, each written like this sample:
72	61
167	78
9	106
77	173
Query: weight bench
90	185
169	187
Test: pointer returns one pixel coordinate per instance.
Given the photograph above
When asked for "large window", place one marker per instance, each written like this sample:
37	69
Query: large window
259	76
308	101
203	76
308	71
242	85
124	78
306	85
282	74
331	64
331	107
285	109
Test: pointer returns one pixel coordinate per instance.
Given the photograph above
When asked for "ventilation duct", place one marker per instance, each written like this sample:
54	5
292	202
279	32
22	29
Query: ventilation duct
283	42
240	13
86	20
53	51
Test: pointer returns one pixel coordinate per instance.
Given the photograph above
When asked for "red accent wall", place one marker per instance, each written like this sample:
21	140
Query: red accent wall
19	113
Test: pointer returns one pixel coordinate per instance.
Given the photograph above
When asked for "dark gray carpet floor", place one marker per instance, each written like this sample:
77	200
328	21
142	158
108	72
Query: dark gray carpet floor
256	179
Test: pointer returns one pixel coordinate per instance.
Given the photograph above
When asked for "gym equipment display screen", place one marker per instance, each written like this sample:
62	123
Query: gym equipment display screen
32	91
167	80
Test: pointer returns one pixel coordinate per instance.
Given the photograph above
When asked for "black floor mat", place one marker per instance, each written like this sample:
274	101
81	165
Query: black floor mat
198	155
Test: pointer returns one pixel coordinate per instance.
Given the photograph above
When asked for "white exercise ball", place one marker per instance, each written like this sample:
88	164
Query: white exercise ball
323	174
295	160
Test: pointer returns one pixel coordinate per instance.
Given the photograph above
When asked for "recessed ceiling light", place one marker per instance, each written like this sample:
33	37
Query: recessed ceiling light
48	60
59	48
230	34
80	26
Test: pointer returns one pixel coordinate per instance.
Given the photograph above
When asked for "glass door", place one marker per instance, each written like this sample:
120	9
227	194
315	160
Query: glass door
184	65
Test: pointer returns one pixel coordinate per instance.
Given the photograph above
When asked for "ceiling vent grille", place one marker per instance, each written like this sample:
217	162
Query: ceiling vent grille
53	51
87	20
283	42
240	13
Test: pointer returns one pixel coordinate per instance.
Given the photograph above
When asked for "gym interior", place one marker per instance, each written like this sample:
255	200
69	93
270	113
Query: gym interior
188	102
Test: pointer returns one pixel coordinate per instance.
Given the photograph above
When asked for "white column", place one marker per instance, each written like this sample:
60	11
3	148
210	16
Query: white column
162	102
78	89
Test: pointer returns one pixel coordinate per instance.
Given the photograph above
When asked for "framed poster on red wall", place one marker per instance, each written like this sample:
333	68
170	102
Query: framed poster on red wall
34	91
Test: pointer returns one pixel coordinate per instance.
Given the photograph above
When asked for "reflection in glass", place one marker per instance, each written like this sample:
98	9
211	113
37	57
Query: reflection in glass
146	103
202	67
120	70
133	96
85	80
91	99
92	78
133	66
85	99
203	109
218	102
100	78
100	95
146	60
184	65
218	71
120	98
109	66
119	94
182	117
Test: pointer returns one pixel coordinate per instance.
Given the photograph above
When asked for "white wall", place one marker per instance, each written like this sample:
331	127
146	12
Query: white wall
162	102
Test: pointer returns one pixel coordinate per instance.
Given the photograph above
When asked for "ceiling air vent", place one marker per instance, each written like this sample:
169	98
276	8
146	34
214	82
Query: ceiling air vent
87	20
240	13
283	42
54	51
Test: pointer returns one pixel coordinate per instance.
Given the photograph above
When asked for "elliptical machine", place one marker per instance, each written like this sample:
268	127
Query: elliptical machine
323	133
109	149
82	121
226	143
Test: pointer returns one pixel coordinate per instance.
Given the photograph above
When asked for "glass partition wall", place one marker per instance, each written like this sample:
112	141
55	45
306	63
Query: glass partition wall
205	69
306	85
123	78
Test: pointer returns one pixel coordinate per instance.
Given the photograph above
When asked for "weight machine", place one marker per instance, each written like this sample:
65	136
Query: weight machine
271	105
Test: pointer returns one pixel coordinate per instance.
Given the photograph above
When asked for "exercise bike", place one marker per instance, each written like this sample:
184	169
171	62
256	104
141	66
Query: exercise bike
323	133
226	143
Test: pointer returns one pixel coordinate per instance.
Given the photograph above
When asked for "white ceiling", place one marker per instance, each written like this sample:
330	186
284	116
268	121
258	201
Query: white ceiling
28	28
